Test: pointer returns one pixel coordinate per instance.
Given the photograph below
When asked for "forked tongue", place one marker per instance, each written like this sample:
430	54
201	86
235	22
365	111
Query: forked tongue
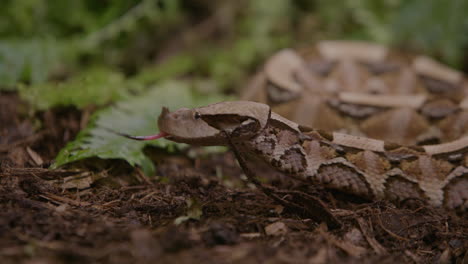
161	134
149	137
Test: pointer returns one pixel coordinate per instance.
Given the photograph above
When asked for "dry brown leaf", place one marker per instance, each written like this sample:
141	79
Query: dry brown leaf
276	229
34	156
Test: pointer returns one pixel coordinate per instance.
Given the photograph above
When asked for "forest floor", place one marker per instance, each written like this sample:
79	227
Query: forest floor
196	210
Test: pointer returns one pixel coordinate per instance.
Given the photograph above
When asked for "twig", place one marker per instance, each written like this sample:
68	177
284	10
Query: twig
58	199
378	248
390	232
346	246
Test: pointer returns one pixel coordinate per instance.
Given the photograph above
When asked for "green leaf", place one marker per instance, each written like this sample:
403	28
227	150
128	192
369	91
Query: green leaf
136	116
96	86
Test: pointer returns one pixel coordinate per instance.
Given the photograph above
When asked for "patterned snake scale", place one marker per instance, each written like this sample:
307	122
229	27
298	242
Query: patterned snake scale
397	126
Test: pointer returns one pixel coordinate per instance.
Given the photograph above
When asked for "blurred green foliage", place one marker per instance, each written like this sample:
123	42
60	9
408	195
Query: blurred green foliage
30	60
44	40
435	27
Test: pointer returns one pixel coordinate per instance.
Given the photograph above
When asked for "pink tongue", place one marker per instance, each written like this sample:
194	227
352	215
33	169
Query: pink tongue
150	137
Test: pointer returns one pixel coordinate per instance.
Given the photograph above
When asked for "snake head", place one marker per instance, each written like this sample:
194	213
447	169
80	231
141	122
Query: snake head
209	125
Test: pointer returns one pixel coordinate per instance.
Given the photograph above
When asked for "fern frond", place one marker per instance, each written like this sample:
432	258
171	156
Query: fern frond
136	116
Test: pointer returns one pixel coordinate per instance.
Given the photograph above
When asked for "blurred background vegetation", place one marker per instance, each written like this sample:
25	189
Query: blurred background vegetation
87	52
53	40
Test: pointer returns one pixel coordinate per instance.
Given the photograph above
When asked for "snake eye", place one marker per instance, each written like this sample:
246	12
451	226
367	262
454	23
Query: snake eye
197	115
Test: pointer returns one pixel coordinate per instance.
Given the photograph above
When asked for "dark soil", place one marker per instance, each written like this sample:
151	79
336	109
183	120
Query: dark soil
194	211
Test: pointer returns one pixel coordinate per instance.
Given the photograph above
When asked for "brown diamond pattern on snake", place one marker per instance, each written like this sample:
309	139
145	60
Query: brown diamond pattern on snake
378	68
293	161
353	110
278	95
427	168
407	83
375	85
430	173
374	167
455	126
389	80
456	192
399	188
344	75
432	136
316	155
439	108
440	87
321	67
400	125
285	109
310	111
343	178
349	74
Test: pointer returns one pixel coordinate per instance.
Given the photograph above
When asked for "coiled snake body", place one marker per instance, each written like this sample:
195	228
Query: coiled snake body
374	97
